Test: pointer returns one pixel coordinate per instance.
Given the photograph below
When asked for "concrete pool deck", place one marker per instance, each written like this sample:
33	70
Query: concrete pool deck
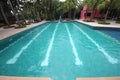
4	33
95	24
101	78
37	78
21	78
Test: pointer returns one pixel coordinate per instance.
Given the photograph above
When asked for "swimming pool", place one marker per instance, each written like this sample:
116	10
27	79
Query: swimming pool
61	51
112	32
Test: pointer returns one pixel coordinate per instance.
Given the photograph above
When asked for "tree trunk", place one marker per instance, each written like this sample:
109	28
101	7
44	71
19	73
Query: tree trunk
118	14
69	13
21	13
50	10
38	17
15	13
106	14
112	14
3	13
33	11
74	14
109	8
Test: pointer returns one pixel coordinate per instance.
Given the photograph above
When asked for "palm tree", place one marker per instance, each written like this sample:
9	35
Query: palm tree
70	7
15	13
116	7
106	4
19	8
49	8
3	13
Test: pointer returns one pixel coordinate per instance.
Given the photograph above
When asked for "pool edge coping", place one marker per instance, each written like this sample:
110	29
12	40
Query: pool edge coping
98	25
100	78
48	78
23	78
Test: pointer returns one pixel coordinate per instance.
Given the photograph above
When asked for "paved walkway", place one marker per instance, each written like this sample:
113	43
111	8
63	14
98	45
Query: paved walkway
102	78
95	24
21	78
4	33
36	78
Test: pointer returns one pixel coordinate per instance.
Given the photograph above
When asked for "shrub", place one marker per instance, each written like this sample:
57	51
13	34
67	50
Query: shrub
118	21
103	22
27	24
100	19
20	26
6	27
89	20
68	19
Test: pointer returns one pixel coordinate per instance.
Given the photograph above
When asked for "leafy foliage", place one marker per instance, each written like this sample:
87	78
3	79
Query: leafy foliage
103	22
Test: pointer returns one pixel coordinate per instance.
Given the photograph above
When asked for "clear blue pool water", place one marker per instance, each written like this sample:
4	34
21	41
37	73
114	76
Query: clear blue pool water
114	33
61	51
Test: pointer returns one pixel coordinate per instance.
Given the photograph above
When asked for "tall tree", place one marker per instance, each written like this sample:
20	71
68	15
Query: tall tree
50	9
19	9
70	5
15	13
3	13
107	5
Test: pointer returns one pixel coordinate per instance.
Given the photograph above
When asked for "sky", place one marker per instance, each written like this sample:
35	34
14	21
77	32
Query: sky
62	0
65	0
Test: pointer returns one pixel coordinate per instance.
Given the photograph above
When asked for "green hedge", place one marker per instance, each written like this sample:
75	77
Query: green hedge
89	20
20	26
6	27
118	21
103	22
